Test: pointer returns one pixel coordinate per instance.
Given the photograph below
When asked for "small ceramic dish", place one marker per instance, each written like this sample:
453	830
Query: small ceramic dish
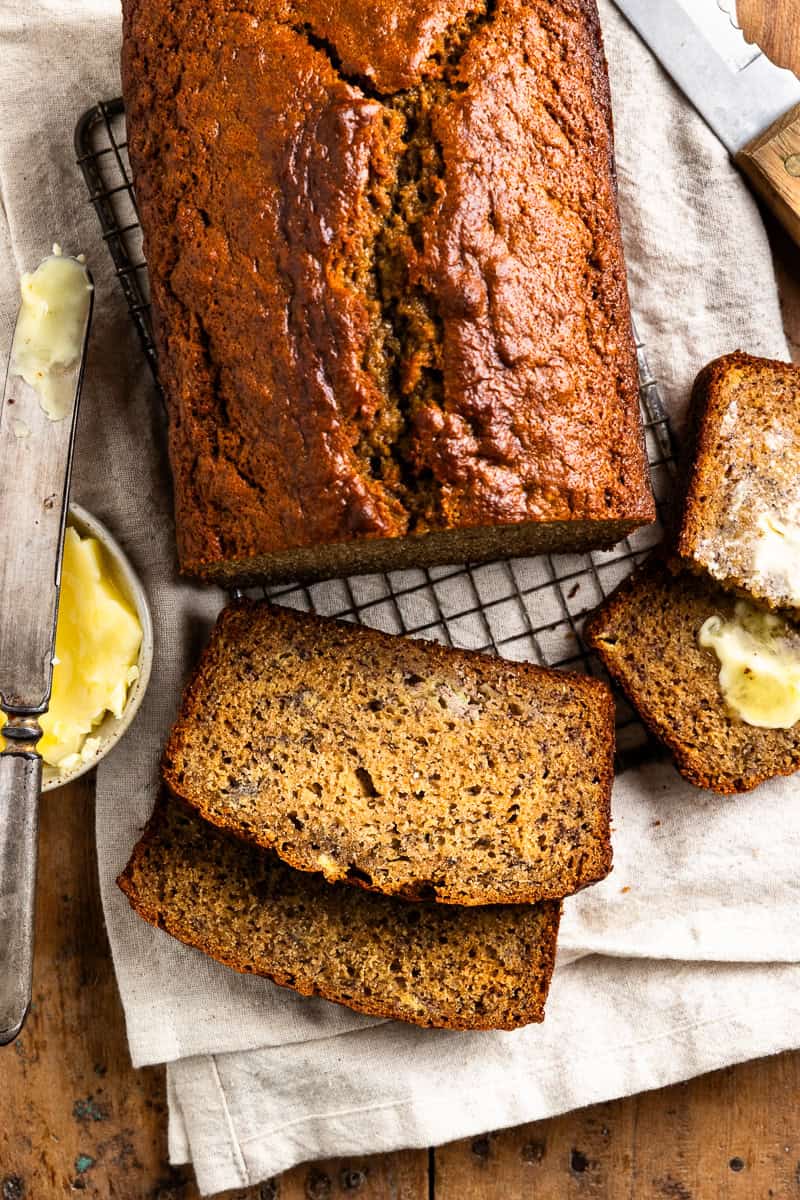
111	728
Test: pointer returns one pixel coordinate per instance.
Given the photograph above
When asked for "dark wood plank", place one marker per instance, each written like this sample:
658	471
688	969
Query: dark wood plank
402	1176
731	1135
582	1155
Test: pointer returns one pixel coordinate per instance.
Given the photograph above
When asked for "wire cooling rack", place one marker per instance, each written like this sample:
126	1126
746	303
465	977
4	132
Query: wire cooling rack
525	608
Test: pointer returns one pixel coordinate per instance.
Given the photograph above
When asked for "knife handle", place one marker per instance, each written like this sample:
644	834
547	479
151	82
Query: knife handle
20	785
772	164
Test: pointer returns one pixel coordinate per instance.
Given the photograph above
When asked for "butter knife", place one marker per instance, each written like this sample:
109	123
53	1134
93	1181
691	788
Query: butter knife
752	105
38	418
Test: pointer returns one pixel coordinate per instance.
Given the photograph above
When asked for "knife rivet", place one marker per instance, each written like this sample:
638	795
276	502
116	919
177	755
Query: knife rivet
792	165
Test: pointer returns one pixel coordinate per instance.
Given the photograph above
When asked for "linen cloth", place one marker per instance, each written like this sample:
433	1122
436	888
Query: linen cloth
684	960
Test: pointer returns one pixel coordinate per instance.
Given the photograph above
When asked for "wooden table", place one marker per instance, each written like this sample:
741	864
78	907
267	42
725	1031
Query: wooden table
76	1118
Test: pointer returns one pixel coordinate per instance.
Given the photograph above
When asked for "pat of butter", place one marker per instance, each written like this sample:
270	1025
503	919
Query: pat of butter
86	753
777	555
49	335
97	650
759	656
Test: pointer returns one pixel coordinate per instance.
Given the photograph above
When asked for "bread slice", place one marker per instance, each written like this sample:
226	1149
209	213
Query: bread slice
741	520
430	964
394	764
646	634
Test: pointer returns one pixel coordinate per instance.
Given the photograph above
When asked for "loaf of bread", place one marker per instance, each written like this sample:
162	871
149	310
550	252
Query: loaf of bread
741	519
647	634
387	281
430	964
394	764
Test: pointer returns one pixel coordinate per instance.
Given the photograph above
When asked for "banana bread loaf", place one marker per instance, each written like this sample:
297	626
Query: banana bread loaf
394	764
387	280
741	519
647	634
431	964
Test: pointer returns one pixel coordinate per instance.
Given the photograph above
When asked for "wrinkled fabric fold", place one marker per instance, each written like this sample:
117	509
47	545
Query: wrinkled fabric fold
613	1028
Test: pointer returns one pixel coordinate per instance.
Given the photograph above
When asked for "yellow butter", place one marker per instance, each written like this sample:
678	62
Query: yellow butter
49	334
97	650
759	657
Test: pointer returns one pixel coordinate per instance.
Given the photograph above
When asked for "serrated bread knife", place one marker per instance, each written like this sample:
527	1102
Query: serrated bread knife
38	416
752	105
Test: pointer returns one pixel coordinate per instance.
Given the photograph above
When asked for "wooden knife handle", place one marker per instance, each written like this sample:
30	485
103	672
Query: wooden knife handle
772	164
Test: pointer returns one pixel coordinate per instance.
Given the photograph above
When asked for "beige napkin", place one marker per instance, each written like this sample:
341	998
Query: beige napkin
683	960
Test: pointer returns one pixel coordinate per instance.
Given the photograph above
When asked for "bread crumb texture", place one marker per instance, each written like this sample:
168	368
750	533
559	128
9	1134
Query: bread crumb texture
429	964
397	765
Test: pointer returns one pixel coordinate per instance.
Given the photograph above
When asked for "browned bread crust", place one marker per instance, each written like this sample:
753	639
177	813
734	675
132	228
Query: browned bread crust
387	280
646	635
742	462
432	965
396	764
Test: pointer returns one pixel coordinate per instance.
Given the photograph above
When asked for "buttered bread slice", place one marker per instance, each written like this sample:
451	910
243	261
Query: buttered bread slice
715	677
397	765
741	518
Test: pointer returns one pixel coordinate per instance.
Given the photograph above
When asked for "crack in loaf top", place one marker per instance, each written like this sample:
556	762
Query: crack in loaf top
386	271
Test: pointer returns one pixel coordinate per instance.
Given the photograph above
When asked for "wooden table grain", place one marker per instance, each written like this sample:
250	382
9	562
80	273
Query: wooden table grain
775	26
75	1118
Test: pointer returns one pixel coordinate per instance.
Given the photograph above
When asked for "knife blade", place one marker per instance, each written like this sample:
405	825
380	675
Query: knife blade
752	105
732	84
38	420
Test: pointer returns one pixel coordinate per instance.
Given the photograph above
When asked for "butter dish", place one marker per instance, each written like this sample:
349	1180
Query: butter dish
106	735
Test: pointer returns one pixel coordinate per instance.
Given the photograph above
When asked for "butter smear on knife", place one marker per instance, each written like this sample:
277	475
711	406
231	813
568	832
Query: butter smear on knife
49	334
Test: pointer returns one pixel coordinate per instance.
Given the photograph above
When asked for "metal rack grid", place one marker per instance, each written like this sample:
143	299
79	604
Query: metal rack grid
526	608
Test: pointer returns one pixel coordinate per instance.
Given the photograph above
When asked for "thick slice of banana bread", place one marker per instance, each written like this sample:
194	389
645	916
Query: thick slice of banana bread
741	518
395	764
387	280
646	633
457	968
